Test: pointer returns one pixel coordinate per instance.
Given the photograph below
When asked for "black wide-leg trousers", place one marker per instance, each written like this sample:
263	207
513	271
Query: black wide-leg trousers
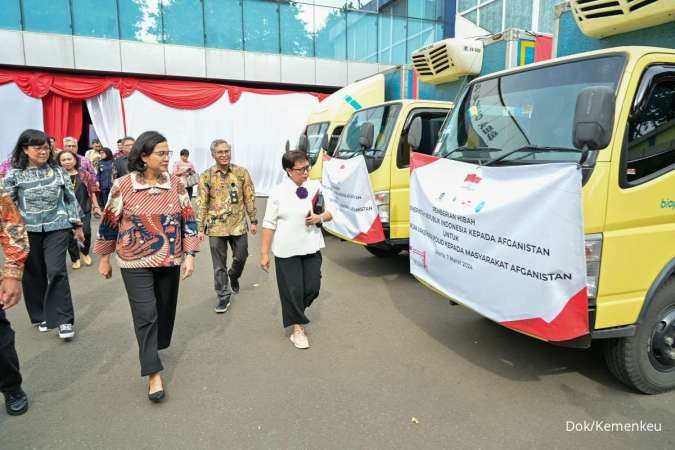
153	295
45	279
299	282
10	377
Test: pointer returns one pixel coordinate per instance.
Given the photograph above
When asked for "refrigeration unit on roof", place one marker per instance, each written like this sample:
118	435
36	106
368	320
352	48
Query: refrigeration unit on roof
448	60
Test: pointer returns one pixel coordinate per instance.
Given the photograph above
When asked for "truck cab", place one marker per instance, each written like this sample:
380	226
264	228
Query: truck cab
531	115
326	121
388	159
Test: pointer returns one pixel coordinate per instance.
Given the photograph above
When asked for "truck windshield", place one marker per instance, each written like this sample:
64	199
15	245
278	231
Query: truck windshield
383	119
525	117
315	134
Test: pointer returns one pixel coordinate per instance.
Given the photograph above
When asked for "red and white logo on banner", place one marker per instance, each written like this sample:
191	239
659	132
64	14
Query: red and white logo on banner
508	242
349	197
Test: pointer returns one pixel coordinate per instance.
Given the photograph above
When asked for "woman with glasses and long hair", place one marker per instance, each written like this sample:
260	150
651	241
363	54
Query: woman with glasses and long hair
291	231
46	200
150	225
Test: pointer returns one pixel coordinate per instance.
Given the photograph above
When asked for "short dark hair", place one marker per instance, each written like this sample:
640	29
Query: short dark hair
143	146
128	138
290	158
95	141
73	154
185	152
108	154
119	141
29	138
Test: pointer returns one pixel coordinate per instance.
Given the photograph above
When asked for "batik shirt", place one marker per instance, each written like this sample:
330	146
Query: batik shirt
45	198
225	199
147	225
13	238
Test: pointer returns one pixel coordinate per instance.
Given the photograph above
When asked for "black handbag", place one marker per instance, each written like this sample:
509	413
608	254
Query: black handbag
318	205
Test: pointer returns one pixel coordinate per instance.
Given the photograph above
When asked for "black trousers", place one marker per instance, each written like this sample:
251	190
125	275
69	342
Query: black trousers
103	197
74	250
189	190
153	295
45	279
10	377
299	282
218	245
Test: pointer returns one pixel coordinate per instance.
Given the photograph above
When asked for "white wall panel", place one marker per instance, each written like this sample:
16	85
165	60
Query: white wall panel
298	70
11	49
97	54
185	61
262	67
331	73
48	50
140	57
224	64
357	71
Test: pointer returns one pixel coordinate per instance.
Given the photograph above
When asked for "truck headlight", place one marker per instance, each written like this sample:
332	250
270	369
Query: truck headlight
593	250
382	203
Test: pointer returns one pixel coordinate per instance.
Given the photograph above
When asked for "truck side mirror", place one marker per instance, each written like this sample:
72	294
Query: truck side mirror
303	143
415	133
593	118
367	135
324	141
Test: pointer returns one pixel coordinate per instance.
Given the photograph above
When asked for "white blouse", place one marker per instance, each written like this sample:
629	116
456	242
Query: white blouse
286	214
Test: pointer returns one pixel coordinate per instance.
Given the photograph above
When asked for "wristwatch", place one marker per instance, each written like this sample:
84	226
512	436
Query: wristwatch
193	254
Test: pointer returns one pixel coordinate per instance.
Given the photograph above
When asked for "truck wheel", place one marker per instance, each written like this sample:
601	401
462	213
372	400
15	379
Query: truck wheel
383	252
646	361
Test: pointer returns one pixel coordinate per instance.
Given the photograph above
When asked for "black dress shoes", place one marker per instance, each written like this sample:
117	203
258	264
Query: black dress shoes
234	284
16	402
157	396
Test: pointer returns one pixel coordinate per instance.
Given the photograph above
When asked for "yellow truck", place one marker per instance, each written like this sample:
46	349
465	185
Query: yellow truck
617	105
326	121
387	154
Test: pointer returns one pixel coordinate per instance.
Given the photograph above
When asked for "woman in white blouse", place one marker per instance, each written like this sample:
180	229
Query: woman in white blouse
291	229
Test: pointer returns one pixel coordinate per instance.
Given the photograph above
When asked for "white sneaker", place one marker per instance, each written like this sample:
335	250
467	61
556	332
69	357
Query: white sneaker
299	340
42	326
66	331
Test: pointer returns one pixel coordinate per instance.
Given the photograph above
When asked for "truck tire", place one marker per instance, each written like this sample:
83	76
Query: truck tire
646	361
384	252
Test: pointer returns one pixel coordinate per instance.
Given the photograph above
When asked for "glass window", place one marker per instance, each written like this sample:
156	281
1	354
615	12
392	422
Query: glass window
498	116
425	9
10	18
392	39
261	26
315	133
47	17
297	29
547	15
438	31
651	147
223	24
361	37
333	3
140	21
331	33
333	140
519	14
432	120
491	16
463	5
383	120
183	22
95	18
472	16
420	33
395	8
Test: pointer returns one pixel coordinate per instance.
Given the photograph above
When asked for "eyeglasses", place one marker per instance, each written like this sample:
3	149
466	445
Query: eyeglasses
39	148
163	153
301	169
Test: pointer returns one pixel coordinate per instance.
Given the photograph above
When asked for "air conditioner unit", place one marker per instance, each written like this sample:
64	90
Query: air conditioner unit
448	60
602	18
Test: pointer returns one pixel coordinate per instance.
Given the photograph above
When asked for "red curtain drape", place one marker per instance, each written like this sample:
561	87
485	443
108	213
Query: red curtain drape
62	117
173	93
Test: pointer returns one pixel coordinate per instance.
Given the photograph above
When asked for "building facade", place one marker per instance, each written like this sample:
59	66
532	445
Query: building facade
496	15
312	42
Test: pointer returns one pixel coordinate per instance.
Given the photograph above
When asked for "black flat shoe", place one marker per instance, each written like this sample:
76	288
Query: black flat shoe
157	396
16	403
234	284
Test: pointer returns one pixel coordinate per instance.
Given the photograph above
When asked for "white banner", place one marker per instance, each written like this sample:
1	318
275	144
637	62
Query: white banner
20	112
508	242
105	111
349	197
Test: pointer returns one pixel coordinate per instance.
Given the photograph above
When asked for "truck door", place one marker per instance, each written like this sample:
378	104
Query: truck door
432	120
640	224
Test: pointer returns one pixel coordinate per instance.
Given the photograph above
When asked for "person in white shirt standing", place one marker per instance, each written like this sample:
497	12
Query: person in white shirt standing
291	229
